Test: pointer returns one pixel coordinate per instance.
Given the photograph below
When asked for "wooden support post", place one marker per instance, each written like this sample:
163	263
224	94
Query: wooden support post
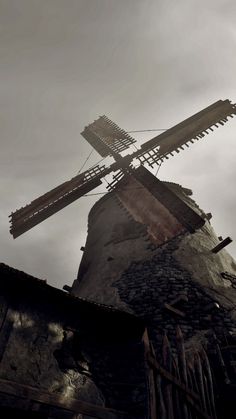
200	381
182	365
174	310
150	376
189	396
6	324
167	363
221	245
56	400
67	288
207	368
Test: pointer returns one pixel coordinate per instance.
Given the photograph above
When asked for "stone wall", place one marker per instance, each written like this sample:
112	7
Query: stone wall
150	287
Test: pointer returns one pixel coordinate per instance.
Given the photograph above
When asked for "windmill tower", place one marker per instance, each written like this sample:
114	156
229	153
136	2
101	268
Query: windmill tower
150	249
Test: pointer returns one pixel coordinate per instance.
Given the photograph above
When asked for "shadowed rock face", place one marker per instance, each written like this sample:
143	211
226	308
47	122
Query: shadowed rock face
58	351
138	257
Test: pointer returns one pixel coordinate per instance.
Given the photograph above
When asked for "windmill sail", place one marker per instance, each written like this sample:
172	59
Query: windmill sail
191	129
48	204
106	137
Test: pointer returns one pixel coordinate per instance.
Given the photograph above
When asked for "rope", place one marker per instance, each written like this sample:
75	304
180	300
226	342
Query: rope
147	130
95	164
136	148
91	152
104	193
106	180
158	169
93	194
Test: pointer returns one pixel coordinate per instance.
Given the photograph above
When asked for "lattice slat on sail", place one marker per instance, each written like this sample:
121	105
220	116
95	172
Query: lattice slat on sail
54	200
107	137
188	131
116	178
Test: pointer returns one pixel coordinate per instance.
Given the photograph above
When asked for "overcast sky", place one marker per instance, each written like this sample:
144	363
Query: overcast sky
145	64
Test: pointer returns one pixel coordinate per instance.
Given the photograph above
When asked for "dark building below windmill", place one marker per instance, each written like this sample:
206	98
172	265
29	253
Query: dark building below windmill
64	357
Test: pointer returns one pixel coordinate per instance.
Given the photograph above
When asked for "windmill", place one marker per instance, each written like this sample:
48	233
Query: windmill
108	139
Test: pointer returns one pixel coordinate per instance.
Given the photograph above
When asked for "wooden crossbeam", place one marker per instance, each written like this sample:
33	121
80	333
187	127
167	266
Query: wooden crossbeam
106	137
174	310
58	400
190	130
221	245
24	224
188	394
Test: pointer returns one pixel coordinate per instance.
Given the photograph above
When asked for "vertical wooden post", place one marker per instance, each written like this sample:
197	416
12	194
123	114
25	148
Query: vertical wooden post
182	365
6	324
200	379
222	244
150	378
207	368
167	363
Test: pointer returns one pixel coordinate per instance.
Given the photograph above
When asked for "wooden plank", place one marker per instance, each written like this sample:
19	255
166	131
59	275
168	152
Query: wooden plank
190	129
106	137
174	310
3	309
150	378
167	364
60	401
184	389
189	396
6	328
222	244
22	225
182	365
186	216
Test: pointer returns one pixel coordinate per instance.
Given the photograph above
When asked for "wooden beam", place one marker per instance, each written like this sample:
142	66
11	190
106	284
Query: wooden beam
190	129
6	324
150	377
169	377
221	245
24	224
185	215
174	310
58	400
189	396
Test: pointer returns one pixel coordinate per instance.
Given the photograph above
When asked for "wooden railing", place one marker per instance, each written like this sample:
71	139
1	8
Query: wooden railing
180	385
24	396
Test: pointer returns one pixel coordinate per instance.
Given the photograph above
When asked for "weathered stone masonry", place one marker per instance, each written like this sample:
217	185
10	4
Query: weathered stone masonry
147	286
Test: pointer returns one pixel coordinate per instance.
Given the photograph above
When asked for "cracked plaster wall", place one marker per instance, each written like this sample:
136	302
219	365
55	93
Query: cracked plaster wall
29	357
68	355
